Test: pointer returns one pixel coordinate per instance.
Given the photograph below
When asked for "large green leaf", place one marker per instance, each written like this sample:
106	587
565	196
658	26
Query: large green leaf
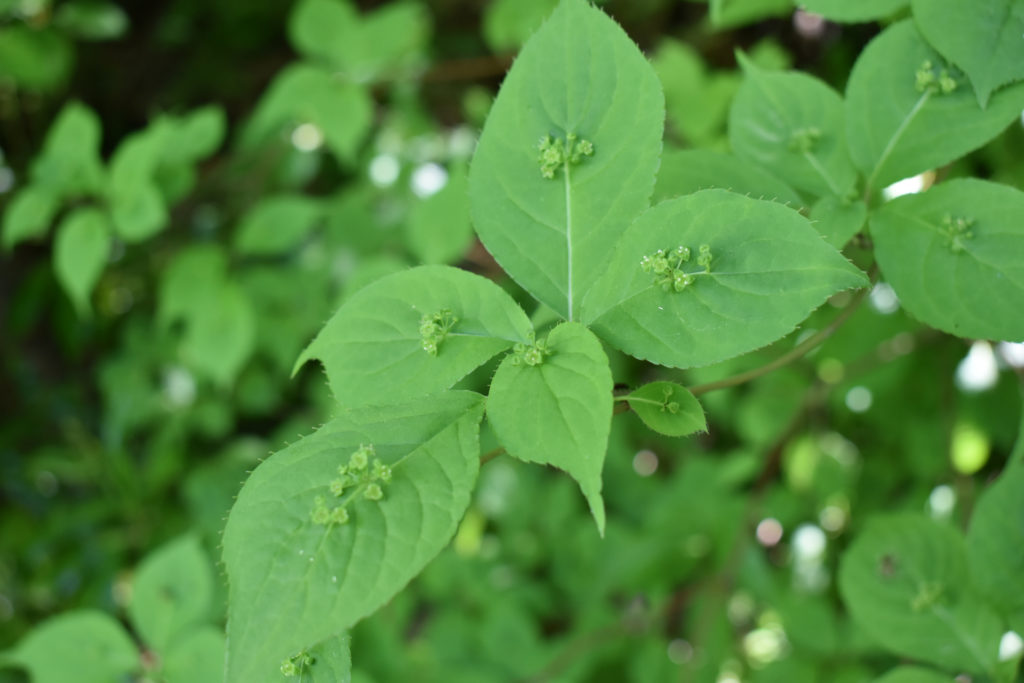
995	541
690	170
579	75
374	349
552	403
985	39
85	646
913	674
851	12
172	592
955	256
295	582
80	253
29	214
905	582
769	269
897	126
70	164
792	124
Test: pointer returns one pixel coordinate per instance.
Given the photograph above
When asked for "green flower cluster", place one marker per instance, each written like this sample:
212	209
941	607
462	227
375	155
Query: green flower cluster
434	329
667	267
956	230
294	665
530	354
930	78
555	153
364	471
804	140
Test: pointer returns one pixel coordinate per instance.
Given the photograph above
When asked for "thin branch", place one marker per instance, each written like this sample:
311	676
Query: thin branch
491	455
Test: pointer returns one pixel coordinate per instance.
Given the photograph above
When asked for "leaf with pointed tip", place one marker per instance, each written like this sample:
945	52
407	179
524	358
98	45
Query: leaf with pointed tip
668	408
982	38
29	214
85	646
558	412
838	220
277	224
80	253
372	349
995	541
579	74
895	130
792	124
769	270
171	593
685	171
69	164
294	583
854	12
904	580
970	284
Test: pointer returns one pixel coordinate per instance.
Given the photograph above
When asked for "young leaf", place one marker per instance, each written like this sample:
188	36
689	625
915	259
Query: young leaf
579	83
838	219
906	112
854	12
70	164
509	23
138	211
985	39
197	656
29	215
905	582
295	581
171	593
768	270
195	136
416	332
955	256
687	171
276	225
668	409
995	542
792	124
551	402
439	227
220	333
80	253
83	645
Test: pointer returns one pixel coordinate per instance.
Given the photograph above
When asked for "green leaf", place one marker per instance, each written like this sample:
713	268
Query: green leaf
29	215
303	93
668	409
904	580
85	646
35	59
439	227
913	674
687	171
277	225
194	136
70	165
838	220
373	348
295	583
995	542
552	233
363	48
955	256
509	23
792	124
91	19
895	130
220	333
730	13
197	656
769	269
332	661
194	272
551	403
80	253
984	39
171	593
138	212
854	12
685	79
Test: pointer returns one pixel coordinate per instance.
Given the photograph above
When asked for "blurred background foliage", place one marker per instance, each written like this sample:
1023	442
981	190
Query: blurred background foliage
191	187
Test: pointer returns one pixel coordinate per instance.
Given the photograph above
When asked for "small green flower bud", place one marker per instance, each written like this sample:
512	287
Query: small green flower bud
339	515
320	515
373	492
289	669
